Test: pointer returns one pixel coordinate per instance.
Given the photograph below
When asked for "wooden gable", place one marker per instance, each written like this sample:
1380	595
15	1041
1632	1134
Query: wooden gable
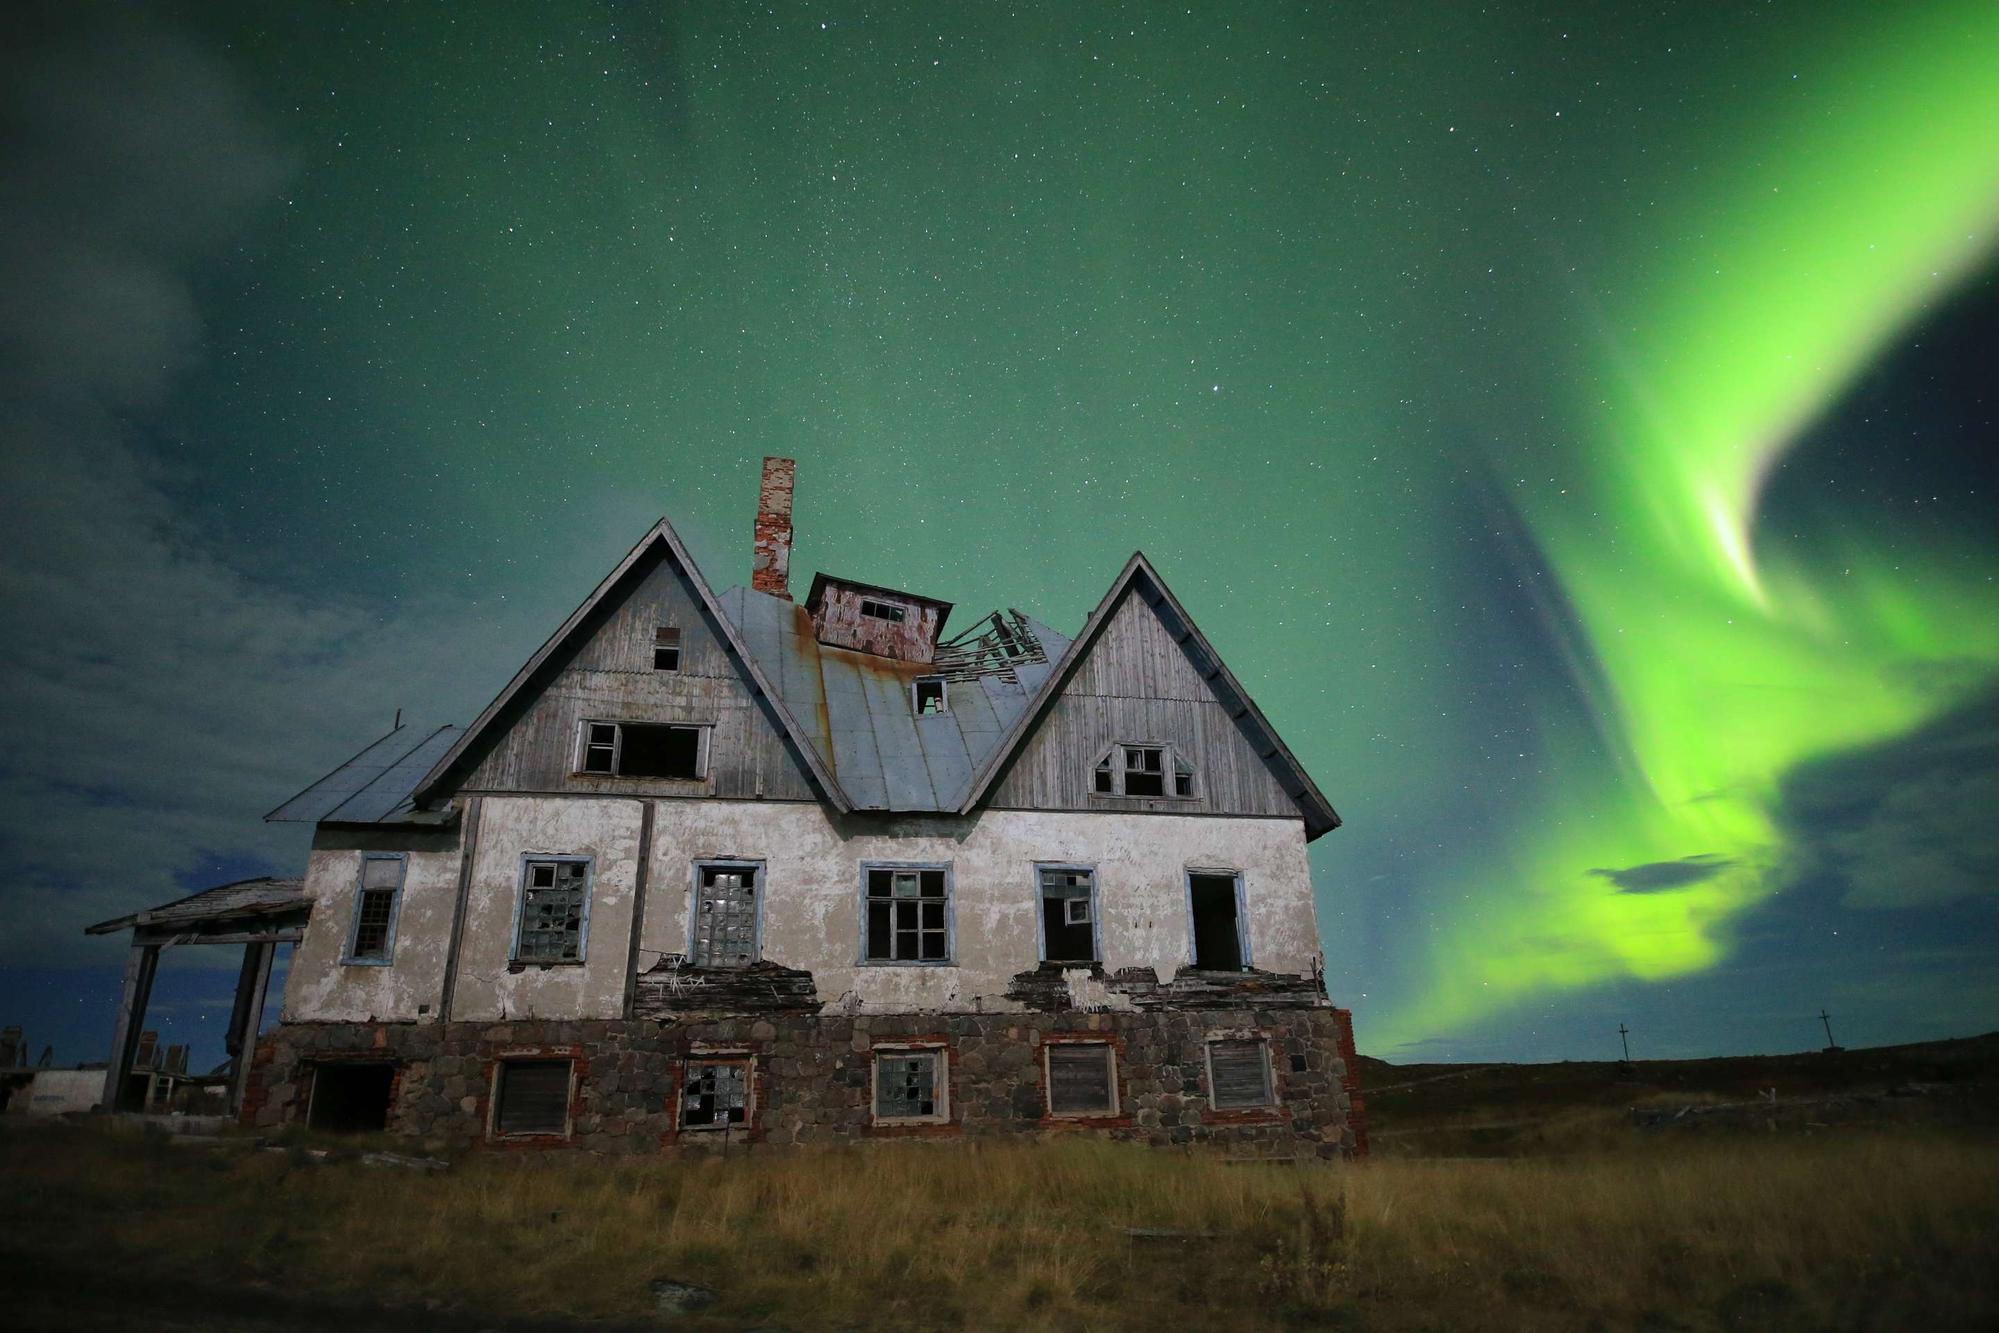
599	668
1141	674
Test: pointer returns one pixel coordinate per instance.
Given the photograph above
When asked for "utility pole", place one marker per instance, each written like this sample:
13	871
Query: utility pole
1826	1019
1623	1035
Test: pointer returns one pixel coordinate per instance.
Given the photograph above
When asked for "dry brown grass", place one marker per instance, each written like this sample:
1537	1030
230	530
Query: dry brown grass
1853	1232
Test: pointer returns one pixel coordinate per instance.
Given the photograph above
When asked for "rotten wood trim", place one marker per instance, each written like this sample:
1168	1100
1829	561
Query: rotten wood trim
641	878
468	846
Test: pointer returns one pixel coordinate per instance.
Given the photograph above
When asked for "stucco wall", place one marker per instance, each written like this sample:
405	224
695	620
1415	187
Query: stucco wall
318	986
811	902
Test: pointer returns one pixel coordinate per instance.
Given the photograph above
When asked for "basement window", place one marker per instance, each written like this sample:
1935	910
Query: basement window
666	648
1068	914
1082	1078
377	896
645	750
531	1096
726	920
554	909
907	914
351	1098
715	1094
910	1085
929	694
879	610
1239	1074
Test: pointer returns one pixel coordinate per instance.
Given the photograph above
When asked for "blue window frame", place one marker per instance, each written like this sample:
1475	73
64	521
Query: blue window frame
906	917
378	901
1217	917
725	922
1071	924
552	909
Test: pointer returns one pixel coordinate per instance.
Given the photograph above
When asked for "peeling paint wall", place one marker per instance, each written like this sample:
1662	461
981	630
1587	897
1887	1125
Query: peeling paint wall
811	903
319	987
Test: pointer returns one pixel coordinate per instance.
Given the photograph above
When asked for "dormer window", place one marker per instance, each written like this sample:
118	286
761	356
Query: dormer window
875	609
929	694
1142	770
666	648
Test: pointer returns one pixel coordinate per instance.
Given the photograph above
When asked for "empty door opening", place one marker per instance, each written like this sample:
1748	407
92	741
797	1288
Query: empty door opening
1217	925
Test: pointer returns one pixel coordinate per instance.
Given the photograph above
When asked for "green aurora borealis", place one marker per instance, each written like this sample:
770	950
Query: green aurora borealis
1518	396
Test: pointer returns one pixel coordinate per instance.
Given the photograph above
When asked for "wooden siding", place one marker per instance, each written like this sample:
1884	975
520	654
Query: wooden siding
1137	683
608	676
841	624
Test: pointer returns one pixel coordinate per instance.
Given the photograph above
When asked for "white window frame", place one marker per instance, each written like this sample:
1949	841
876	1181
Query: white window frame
679	647
706	732
943	695
388	956
1048	1080
1241	911
589	863
940	1086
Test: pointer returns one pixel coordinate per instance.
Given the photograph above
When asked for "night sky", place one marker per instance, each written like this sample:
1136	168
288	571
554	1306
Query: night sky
1574	426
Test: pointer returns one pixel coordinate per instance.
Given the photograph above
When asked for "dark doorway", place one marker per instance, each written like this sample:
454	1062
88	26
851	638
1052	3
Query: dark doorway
352	1098
1217	929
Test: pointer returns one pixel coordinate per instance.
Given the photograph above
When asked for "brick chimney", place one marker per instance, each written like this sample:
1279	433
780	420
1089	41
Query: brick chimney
770	566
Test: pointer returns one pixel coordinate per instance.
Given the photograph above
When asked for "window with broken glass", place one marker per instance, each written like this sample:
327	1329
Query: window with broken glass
645	750
1068	914
907	917
377	896
554	908
909	1085
1142	770
889	611
715	1094
725	914
666	648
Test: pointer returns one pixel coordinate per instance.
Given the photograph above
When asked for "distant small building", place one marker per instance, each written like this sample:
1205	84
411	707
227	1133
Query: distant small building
721	868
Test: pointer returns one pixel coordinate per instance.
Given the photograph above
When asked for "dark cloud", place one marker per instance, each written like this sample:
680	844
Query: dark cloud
1661	876
1905	823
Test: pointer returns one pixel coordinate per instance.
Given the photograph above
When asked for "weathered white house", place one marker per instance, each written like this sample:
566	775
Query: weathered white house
724	867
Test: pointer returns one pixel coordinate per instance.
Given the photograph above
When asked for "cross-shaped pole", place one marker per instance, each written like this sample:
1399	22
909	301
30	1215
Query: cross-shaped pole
1623	1035
1826	1019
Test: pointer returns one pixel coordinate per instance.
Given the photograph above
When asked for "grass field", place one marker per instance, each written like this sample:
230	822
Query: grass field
1891	1226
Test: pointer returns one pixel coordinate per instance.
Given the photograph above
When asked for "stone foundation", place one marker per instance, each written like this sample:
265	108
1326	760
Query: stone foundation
811	1077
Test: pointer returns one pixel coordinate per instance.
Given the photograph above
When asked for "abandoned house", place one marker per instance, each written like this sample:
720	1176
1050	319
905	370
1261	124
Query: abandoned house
727	868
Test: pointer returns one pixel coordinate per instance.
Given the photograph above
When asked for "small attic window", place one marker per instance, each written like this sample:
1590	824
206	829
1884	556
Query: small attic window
874	609
644	750
666	648
1144	770
1183	777
929	694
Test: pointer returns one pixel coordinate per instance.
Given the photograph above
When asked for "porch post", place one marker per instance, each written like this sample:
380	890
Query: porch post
247	1017
140	965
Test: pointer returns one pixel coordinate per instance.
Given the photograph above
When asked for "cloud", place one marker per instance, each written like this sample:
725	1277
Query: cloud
1906	823
1662	876
162	690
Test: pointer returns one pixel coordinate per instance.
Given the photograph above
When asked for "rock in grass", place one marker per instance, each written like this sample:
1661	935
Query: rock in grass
671	1296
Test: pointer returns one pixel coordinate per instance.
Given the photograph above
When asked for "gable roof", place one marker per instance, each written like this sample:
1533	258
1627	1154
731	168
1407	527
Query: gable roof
1139	576
662	534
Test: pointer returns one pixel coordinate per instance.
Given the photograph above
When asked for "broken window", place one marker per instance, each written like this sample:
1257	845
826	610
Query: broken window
725	914
1214	906
643	750
879	610
555	901
907	914
666	648
531	1097
1144	770
928	695
376	897
1068	914
909	1085
715	1093
1082	1078
1239	1074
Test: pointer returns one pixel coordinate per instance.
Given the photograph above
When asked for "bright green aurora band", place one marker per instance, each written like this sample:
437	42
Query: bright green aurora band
1718	668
